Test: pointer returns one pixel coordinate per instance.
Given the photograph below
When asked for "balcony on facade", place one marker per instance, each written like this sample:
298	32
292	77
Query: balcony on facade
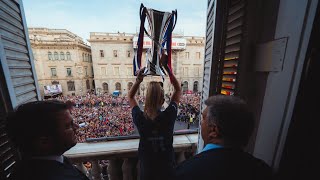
121	155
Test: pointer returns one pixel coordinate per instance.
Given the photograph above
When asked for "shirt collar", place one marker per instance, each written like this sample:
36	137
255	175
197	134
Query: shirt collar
211	146
53	158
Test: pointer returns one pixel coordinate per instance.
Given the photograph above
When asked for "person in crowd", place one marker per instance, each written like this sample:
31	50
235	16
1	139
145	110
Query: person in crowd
226	127
103	119
42	131
156	153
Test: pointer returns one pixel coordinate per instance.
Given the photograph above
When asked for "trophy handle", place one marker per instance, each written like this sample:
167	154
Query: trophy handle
142	10
175	14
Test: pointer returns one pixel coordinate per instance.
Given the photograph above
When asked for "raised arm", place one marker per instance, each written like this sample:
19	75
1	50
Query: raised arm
177	89
176	85
134	88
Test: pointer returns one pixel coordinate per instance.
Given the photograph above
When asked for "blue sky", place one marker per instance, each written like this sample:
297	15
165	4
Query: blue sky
84	16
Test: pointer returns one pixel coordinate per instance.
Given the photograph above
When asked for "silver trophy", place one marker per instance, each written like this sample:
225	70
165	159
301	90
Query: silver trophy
161	25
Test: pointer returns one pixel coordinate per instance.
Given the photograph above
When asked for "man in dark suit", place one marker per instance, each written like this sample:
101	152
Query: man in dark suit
226	128
42	132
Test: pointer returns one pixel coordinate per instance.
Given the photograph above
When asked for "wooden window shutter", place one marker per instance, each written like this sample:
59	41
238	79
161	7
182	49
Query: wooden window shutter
230	52
18	81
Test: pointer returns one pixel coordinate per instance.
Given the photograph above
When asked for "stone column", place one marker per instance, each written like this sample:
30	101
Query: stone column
114	170
180	157
127	169
96	170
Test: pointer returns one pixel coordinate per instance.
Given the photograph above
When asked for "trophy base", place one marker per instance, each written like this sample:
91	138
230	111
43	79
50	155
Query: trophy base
150	73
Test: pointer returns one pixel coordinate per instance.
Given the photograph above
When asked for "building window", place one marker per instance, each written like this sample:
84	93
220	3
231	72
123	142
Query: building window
62	56
118	86
185	86
195	86
90	58
198	55
187	55
86	70
101	53
115	53
130	84
185	71
50	56
129	71
83	57
79	70
56	56
92	72
103	71
55	82
116	71
88	84
128	54
53	72
69	73
68	56
105	87
71	86
196	71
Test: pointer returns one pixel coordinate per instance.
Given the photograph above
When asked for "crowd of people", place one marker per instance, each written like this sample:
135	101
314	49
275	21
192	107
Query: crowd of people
108	116
189	108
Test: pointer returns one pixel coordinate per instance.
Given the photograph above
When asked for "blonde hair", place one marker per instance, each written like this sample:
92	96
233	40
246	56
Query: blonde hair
154	100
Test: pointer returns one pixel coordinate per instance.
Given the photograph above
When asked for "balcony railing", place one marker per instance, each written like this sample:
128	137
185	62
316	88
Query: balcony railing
122	155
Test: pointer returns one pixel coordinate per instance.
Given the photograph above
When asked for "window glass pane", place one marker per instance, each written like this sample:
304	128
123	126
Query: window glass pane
50	56
195	86
69	73
56	56
187	55
68	56
101	53
118	86
86	71
62	56
53	72
185	86
88	84
105	87
130	84
71	86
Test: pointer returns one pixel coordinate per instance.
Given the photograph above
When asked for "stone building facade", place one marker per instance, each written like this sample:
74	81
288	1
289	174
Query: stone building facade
62	57
112	56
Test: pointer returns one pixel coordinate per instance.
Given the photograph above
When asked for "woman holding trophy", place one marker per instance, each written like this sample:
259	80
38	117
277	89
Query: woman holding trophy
156	153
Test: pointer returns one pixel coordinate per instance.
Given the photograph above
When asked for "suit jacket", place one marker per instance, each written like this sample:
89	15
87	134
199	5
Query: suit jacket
223	164
35	169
